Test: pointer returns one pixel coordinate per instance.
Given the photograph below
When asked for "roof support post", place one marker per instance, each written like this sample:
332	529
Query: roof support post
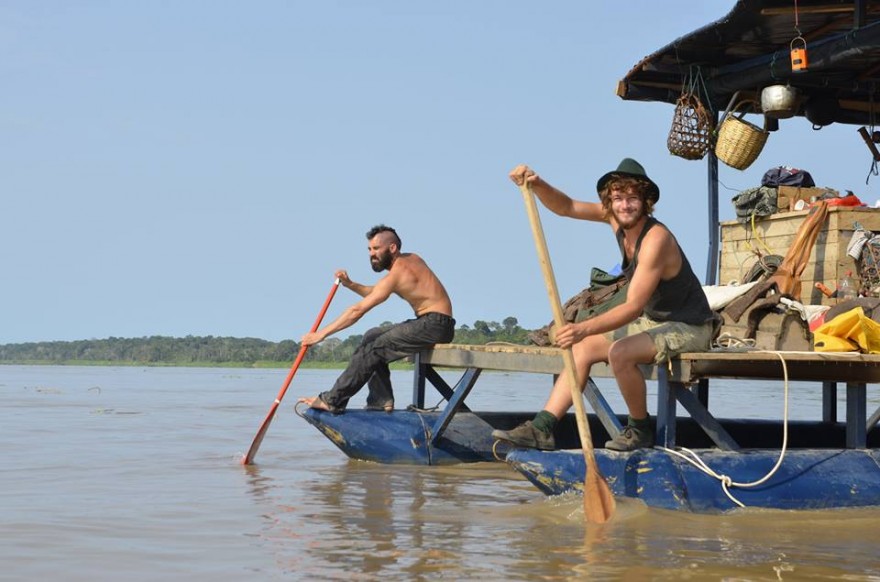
712	207
860	13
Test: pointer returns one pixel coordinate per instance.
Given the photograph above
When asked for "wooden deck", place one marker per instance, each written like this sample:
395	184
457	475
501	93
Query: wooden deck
687	368
685	381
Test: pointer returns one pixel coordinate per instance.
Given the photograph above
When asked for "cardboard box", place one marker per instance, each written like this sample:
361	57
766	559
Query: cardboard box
787	197
774	234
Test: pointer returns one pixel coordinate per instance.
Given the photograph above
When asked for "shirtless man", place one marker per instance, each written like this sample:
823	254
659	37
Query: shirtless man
410	278
665	313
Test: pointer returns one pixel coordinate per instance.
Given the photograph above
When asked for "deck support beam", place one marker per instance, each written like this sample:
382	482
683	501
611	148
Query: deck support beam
670	392
856	416
829	402
602	409
456	403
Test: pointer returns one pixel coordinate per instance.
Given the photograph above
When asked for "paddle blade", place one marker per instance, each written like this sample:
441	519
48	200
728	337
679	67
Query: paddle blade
248	459
599	503
258	439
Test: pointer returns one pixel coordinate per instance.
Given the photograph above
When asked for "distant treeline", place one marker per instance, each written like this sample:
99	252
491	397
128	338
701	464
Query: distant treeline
210	350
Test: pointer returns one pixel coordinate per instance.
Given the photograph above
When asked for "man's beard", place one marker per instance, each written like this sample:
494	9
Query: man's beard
381	262
629	220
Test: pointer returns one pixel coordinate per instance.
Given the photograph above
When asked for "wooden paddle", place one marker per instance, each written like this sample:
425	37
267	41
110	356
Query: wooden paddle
252	452
599	502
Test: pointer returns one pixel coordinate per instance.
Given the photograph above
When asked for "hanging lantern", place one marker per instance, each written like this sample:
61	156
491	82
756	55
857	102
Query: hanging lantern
798	55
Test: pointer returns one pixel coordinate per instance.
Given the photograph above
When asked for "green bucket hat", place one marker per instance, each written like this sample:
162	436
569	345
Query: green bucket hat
630	168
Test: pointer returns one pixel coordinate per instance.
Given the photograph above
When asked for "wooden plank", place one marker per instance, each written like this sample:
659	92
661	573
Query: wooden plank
802	366
848	358
509	358
688	367
496	357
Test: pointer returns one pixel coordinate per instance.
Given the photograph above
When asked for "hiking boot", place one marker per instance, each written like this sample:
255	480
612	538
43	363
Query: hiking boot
526	435
631	438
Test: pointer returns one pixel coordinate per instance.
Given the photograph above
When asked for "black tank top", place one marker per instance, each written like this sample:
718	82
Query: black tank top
678	299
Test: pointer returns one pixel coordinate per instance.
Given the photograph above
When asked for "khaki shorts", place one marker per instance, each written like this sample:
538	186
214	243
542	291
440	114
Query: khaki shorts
670	337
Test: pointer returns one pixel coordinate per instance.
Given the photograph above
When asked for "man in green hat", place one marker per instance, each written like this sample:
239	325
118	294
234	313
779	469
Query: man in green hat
665	313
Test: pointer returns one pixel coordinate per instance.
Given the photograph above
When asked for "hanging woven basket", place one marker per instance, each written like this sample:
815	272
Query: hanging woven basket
739	142
691	132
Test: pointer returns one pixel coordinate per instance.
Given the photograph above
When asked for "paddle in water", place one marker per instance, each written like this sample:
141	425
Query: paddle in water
599	502
258	439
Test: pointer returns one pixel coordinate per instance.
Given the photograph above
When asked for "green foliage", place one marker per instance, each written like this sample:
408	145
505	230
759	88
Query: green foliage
220	351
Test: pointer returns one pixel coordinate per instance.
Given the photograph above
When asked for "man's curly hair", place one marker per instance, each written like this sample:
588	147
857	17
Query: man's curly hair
640	187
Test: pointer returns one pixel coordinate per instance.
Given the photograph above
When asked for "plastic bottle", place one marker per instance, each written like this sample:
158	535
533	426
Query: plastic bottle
846	289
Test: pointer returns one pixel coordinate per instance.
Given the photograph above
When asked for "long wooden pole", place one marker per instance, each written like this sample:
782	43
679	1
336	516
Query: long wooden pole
599	502
258	439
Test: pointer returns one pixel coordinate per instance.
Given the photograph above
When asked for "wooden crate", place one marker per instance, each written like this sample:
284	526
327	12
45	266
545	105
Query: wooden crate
828	259
787	197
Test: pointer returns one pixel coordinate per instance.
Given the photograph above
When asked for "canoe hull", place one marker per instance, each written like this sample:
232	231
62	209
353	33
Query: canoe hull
806	479
404	437
810	477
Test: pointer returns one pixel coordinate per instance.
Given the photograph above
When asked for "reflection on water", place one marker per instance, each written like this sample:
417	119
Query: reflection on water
142	478
370	519
481	521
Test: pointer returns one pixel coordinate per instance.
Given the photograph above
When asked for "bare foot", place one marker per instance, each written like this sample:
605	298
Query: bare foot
315	402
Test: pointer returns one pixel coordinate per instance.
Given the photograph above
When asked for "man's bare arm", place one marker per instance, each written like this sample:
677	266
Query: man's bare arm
378	294
562	204
556	200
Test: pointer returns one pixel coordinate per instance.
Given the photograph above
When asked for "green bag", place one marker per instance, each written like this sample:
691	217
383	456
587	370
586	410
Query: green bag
599	278
605	291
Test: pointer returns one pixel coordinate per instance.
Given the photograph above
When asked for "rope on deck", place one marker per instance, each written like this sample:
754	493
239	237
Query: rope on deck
726	481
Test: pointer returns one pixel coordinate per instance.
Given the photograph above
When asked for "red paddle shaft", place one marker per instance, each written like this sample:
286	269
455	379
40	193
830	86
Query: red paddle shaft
252	452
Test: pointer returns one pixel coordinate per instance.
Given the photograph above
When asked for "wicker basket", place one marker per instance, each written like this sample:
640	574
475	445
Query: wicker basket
739	142
691	130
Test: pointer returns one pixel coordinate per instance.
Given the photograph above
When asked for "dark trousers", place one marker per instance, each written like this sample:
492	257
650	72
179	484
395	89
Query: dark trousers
369	363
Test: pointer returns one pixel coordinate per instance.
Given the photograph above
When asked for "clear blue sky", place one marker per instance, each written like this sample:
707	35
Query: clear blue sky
202	168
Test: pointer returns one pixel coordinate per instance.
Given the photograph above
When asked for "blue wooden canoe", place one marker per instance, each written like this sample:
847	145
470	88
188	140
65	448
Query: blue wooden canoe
828	463
405	437
806	479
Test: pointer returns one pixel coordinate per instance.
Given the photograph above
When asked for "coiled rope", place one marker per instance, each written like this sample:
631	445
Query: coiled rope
730	342
726	481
